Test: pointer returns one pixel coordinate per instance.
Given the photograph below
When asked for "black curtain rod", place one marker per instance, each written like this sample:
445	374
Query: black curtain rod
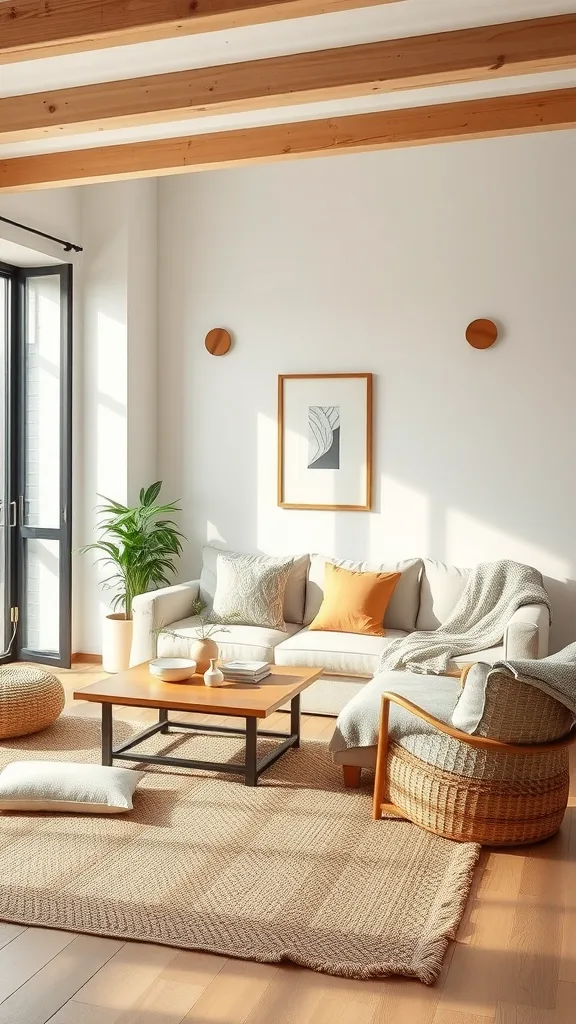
67	246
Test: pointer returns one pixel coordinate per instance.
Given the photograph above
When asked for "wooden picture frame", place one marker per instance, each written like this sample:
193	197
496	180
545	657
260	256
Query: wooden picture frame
313	408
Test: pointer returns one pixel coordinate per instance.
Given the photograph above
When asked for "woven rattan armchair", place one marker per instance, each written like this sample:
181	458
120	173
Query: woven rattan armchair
504	785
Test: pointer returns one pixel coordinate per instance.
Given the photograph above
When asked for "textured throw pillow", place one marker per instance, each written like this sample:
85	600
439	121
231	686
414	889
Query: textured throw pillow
355	602
65	786
250	590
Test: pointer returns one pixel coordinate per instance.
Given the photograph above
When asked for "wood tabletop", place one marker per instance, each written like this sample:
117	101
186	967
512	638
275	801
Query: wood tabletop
137	687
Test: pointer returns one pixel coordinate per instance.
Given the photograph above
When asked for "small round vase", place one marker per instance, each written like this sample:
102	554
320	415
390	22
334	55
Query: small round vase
213	677
202	652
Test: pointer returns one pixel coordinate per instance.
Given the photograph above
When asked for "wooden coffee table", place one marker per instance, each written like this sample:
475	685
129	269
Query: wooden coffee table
250	701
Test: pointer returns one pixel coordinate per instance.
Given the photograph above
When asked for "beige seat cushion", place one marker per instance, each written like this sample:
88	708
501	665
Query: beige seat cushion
350	653
359	722
403	605
295	587
249	643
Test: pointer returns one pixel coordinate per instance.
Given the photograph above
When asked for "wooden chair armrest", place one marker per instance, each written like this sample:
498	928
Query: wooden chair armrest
483	742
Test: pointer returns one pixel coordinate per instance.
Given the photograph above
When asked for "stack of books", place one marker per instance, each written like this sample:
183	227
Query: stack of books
251	671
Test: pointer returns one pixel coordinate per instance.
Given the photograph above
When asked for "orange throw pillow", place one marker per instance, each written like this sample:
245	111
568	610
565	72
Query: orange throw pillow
355	602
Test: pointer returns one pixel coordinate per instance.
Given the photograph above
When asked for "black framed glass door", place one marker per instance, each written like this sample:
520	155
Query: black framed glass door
7	510
37	544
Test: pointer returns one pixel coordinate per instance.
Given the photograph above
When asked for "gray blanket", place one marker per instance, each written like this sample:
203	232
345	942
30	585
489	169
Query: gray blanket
554	675
493	592
358	722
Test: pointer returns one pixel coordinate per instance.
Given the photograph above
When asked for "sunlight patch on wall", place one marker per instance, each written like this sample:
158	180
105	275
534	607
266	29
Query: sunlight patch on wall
469	541
213	534
402	529
111	439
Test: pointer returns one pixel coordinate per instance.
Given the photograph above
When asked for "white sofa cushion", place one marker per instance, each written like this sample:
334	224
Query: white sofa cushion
349	653
248	643
295	586
441	588
250	590
403	606
329	695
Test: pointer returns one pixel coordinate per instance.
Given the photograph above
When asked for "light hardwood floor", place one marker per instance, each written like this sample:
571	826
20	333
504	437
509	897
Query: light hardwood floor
513	962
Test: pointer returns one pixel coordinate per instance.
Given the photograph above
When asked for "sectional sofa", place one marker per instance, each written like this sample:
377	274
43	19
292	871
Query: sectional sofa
425	595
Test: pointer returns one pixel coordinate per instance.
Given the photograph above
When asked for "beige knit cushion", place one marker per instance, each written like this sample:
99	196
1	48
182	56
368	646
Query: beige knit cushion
30	700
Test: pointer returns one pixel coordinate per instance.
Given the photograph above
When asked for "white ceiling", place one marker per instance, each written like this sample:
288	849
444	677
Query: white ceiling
20	256
410	17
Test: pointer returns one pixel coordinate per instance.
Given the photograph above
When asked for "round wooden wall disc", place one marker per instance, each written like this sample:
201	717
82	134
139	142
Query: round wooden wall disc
481	333
218	342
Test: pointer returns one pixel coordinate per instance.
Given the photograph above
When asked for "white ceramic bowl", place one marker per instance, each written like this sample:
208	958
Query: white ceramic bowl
173	670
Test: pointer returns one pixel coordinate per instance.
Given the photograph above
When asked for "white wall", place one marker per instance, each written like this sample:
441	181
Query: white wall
377	263
118	388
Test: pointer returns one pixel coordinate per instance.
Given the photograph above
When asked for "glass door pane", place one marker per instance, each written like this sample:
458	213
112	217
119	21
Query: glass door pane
45	474
42	383
42	611
4	461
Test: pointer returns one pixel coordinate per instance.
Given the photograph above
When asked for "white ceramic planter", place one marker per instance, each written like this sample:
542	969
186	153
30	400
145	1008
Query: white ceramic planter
116	642
213	676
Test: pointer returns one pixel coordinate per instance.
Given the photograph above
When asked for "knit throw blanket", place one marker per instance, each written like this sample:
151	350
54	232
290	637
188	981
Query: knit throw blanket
554	675
493	592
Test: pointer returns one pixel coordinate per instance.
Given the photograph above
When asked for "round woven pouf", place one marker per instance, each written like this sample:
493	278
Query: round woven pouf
30	700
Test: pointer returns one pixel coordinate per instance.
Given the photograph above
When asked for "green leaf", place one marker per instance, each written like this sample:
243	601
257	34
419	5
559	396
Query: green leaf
139	542
151	494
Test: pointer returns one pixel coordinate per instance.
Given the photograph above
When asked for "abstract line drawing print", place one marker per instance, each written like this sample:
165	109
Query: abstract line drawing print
324	437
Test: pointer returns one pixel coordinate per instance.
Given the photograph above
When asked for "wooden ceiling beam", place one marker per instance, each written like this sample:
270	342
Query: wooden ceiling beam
35	28
390	129
469	55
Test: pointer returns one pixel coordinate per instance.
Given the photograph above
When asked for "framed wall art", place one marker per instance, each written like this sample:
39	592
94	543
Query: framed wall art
325	441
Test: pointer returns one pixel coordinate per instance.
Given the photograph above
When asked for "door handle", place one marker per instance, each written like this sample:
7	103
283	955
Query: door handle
13	514
22	508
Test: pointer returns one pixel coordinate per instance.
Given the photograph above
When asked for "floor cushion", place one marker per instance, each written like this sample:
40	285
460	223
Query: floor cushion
68	787
248	643
348	653
31	699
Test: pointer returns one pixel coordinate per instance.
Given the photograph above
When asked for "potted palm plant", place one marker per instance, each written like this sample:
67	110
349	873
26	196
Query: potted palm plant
141	543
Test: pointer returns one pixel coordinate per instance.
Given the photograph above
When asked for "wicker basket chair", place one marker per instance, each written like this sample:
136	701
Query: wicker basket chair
504	785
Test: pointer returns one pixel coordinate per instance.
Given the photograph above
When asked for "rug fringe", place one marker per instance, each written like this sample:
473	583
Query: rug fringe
446	914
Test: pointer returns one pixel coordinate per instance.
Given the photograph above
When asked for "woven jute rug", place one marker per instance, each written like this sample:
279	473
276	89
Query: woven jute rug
294	869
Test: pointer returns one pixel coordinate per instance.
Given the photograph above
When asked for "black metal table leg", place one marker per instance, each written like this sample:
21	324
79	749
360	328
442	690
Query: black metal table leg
107	734
251	773
295	719
251	768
